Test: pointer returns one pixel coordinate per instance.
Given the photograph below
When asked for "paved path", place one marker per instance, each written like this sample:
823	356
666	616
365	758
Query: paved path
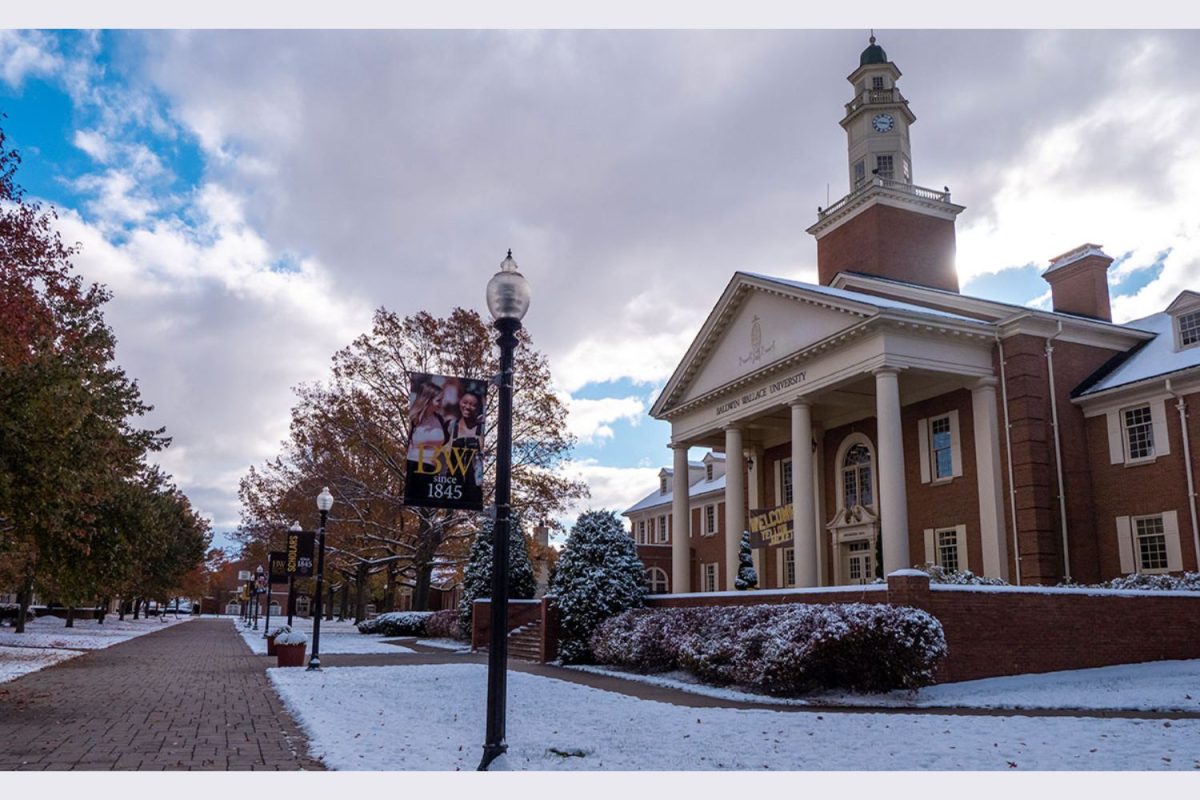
191	696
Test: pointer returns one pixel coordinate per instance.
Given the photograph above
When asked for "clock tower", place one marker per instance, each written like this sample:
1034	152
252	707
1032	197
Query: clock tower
886	225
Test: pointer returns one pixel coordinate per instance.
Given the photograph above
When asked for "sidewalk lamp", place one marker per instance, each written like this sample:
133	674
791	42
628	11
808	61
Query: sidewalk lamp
291	600
324	503
508	300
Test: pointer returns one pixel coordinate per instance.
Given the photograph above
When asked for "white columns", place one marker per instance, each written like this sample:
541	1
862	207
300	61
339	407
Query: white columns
681	519
987	470
803	500
893	500
735	501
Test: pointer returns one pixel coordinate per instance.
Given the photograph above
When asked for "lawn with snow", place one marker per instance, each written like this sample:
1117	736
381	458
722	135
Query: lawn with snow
1154	686
47	640
431	717
336	637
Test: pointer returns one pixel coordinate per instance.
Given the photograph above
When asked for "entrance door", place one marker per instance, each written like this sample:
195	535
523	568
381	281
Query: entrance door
857	562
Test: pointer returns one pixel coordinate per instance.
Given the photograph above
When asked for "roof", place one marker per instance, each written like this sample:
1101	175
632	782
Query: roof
872	55
863	298
655	499
1156	358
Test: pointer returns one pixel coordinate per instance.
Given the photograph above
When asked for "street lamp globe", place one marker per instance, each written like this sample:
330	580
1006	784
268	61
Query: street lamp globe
508	292
324	500
295	528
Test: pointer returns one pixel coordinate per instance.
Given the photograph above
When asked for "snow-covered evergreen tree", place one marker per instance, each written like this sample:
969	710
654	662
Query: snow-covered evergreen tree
747	576
599	574
477	578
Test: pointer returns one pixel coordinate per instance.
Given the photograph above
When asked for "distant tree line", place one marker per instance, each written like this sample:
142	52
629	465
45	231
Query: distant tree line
84	517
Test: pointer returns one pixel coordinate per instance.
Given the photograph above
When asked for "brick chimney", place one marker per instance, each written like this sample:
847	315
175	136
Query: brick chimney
1079	282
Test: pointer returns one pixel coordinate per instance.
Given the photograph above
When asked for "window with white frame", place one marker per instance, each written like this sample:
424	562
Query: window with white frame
860	173
947	549
662	485
787	566
662	529
708	472
1150	544
710	520
656	580
708	578
942	462
941	450
856	477
641	536
785	481
1139	432
1189	329
877	83
884	167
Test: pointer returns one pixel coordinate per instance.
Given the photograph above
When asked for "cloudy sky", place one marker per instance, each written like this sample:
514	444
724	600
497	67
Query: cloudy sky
250	197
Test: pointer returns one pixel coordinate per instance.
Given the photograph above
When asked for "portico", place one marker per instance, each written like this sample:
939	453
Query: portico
811	392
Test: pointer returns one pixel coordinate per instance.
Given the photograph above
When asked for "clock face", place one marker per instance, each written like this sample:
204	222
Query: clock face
883	122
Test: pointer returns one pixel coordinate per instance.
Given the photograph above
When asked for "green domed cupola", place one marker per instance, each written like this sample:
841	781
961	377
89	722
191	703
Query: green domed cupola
873	54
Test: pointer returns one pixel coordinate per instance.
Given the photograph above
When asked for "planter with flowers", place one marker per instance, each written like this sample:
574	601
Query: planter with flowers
289	648
271	634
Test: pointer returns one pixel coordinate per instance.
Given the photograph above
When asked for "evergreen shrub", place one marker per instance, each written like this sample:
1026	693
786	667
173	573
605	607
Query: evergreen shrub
396	623
780	649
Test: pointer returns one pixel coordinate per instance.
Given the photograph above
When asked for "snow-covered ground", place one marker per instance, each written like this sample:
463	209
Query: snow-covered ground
1155	686
336	637
450	645
46	640
431	717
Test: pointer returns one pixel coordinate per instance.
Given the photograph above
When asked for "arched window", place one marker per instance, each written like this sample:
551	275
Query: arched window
656	581
856	477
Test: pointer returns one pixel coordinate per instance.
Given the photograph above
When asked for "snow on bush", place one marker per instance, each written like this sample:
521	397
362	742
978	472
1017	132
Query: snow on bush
1187	582
290	637
275	632
747	576
780	649
958	578
396	623
443	625
599	574
477	577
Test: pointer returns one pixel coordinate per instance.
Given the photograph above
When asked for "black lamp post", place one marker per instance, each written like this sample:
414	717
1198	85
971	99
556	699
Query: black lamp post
324	503
508	300
258	573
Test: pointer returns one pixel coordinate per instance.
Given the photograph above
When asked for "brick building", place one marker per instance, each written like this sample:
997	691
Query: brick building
902	422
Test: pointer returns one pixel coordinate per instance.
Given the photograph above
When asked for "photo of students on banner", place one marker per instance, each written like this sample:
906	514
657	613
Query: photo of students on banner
446	427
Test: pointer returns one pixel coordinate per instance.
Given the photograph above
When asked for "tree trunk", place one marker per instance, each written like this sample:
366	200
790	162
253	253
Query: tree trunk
329	606
24	598
101	610
344	606
137	602
70	616
389	595
121	610
420	600
360	594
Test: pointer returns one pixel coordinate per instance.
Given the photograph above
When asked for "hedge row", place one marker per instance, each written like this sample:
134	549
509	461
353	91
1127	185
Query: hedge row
780	649
414	623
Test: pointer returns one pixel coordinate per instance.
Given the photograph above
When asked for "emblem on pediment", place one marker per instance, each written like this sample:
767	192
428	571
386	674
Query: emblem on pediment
757	351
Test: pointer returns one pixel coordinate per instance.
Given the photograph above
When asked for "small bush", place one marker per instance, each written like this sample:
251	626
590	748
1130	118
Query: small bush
444	625
397	623
958	578
780	649
1187	582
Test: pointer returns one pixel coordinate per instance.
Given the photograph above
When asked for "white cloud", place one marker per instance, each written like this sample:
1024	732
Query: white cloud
25	53
589	419
612	488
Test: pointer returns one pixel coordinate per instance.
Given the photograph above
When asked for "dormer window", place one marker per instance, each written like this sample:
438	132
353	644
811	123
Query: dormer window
708	475
1189	329
662	485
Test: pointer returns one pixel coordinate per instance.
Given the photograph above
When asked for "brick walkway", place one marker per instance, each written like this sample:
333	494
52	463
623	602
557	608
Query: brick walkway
191	696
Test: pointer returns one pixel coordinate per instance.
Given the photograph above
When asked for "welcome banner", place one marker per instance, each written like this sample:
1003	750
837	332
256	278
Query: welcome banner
771	527
446	429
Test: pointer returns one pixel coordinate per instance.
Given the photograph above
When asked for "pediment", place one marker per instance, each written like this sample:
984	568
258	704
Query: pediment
756	323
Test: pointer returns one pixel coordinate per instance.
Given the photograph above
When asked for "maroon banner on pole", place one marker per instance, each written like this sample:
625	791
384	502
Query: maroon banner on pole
446	430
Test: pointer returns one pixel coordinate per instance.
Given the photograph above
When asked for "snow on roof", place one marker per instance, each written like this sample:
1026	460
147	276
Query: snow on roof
1157	357
865	299
655	499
